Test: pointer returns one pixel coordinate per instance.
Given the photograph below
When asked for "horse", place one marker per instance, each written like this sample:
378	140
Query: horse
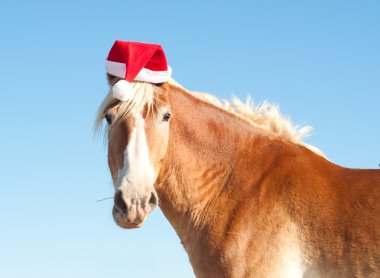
245	195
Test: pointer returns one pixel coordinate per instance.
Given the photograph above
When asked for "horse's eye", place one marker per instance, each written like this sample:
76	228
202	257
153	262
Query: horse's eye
166	117
108	119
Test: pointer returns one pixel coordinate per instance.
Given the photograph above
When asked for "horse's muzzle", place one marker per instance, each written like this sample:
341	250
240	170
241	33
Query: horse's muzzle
131	212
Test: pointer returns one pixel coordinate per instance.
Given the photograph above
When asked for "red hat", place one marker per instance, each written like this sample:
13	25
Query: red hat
135	61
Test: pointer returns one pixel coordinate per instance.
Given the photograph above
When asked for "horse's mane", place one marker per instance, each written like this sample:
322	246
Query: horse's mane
266	115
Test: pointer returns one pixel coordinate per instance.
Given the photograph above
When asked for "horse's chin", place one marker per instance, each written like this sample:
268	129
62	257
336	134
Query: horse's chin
129	225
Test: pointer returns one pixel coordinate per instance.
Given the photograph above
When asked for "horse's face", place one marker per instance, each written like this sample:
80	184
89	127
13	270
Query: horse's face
137	144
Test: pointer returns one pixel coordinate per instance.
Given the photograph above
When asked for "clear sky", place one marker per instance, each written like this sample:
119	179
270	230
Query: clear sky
319	60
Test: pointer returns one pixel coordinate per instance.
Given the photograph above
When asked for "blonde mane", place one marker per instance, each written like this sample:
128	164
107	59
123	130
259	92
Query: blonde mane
266	115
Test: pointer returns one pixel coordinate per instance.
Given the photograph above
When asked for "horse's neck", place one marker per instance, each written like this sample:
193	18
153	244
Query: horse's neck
196	181
217	162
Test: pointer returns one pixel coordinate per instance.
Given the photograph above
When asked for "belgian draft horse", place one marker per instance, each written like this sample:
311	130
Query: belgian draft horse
246	197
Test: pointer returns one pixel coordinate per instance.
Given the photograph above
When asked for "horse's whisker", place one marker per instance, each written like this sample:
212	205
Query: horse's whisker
108	198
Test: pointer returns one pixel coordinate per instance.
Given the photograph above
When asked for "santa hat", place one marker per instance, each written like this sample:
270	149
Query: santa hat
135	61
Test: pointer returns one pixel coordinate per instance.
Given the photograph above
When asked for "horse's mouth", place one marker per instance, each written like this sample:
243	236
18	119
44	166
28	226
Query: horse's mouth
123	221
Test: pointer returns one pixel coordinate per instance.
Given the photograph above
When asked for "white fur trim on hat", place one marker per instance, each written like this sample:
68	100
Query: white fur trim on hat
154	76
122	90
116	69
146	75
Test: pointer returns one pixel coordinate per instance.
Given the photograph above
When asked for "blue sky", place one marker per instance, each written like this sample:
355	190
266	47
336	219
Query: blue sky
318	60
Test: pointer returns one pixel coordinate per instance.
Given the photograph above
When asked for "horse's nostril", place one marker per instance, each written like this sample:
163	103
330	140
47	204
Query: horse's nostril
153	201
119	202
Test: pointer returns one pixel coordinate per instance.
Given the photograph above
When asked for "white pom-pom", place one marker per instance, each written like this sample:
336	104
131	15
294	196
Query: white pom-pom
122	90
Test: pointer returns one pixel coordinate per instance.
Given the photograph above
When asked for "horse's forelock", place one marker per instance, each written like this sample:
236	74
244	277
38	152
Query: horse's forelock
143	94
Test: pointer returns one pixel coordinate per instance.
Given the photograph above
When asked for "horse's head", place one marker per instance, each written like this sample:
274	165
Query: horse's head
138	131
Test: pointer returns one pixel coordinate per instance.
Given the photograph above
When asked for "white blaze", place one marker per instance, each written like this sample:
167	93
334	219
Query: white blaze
137	173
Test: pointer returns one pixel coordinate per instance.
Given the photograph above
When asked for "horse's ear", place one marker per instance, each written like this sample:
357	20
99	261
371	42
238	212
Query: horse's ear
111	79
163	86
